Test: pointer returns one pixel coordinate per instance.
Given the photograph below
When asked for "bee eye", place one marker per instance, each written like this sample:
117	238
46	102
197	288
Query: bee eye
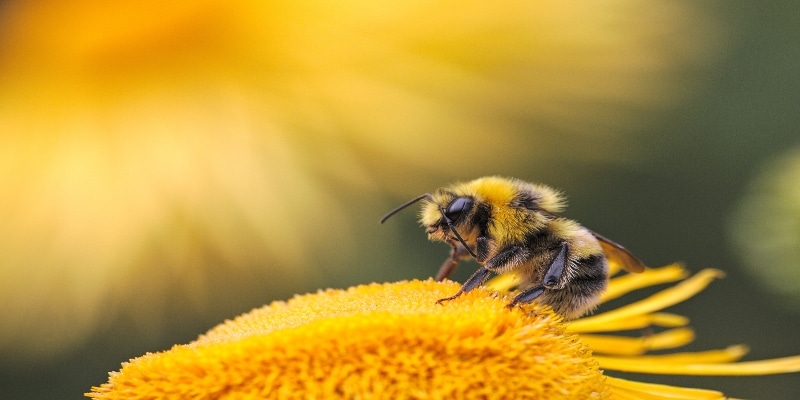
456	207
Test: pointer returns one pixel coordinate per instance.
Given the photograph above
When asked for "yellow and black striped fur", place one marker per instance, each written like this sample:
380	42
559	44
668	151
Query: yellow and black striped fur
512	226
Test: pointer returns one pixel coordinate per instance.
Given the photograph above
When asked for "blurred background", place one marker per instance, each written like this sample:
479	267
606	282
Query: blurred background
167	165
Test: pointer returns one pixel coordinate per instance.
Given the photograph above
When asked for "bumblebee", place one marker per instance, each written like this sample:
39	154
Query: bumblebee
512	226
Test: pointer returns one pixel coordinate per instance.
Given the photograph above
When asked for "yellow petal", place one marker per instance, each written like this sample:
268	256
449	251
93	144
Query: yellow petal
730	354
651	276
635	322
658	301
503	282
625	389
621	345
649	366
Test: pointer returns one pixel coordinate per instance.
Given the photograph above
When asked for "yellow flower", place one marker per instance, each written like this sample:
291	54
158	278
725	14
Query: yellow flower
392	341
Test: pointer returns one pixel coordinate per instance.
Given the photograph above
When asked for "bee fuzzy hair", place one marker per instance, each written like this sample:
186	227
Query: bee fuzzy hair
498	190
547	198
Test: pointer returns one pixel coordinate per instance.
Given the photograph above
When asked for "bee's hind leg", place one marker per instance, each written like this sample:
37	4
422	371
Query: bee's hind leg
551	278
553	275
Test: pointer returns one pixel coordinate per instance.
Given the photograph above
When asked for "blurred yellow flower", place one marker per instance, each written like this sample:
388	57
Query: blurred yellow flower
177	141
393	341
765	227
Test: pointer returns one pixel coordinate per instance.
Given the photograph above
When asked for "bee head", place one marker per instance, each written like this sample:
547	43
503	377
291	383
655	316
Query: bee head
450	213
457	209
499	209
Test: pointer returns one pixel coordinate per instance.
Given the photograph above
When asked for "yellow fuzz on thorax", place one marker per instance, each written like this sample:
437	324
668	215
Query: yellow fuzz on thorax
494	190
509	224
583	243
549	199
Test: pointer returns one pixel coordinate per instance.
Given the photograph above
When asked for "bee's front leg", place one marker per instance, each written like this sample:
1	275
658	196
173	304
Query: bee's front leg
474	281
509	257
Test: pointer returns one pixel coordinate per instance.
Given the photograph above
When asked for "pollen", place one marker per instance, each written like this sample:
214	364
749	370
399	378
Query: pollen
379	340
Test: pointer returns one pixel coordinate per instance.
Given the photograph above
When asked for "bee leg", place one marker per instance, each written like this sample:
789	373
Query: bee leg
551	279
449	265
526	296
508	258
474	281
556	268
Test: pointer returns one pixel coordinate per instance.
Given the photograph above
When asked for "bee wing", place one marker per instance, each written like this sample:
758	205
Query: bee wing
616	253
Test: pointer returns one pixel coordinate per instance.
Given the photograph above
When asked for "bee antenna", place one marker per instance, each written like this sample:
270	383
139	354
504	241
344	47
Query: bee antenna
406	204
455	232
